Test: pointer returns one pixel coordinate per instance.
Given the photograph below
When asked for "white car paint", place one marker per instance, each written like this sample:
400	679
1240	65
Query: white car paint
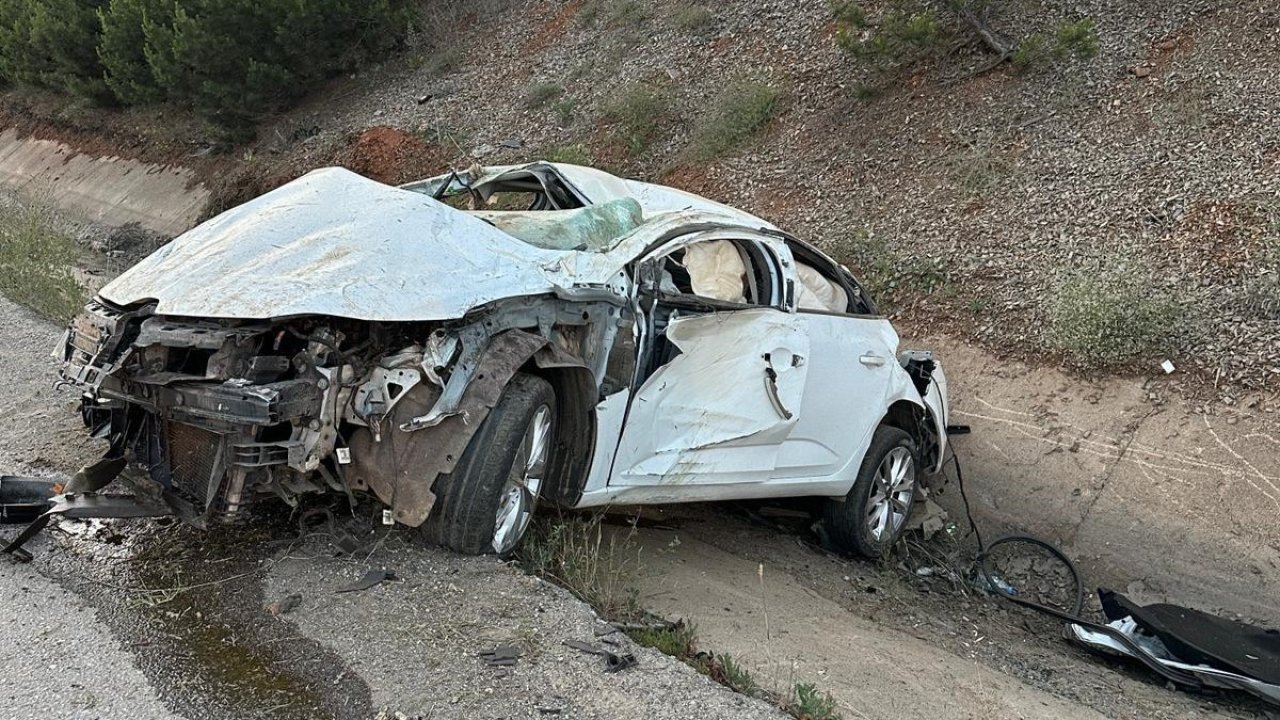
761	402
335	243
707	416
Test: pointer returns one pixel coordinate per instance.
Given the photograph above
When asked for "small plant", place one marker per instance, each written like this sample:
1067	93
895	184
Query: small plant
443	61
978	168
637	112
577	554
615	13
693	18
565	108
1032	52
735	676
810	703
626	13
1113	313
887	273
909	33
678	640
905	35
1078	39
1261	287
37	262
741	111
541	93
1073	39
571	154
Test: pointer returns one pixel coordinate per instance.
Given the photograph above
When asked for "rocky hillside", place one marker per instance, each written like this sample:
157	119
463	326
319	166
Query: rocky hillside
1051	211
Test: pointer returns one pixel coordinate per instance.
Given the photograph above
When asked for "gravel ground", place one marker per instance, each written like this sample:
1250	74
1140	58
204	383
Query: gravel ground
416	641
60	661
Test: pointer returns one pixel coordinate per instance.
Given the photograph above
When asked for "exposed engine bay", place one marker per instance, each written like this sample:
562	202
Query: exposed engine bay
209	415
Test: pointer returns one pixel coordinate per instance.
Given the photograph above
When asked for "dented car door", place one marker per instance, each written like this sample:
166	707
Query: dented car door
727	367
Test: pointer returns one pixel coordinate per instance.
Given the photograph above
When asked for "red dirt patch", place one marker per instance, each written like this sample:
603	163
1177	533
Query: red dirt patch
692	178
1222	234
392	156
553	30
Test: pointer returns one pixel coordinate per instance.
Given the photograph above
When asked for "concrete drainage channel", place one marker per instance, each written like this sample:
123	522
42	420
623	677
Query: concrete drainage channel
206	620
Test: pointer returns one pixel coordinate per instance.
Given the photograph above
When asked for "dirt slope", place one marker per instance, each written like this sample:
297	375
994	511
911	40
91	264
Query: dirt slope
973	195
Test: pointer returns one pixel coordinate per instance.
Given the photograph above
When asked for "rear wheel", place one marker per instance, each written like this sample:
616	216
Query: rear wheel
872	517
485	505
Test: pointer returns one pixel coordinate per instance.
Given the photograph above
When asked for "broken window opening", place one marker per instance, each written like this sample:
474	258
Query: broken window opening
826	287
701	278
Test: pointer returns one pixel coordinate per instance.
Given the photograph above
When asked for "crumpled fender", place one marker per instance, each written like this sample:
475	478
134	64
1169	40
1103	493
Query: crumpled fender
935	399
403	468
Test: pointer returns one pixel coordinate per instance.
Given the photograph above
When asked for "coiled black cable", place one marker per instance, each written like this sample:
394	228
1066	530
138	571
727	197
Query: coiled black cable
982	565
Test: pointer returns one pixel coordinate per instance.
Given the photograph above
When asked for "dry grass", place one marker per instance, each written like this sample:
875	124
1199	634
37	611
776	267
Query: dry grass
1112	313
577	553
740	112
37	261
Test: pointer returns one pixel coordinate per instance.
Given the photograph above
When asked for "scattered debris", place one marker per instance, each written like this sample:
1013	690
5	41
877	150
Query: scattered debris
370	579
501	656
929	520
24	499
284	605
1198	650
613	662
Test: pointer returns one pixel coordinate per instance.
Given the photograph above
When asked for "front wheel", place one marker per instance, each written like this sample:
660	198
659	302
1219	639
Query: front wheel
485	505
871	518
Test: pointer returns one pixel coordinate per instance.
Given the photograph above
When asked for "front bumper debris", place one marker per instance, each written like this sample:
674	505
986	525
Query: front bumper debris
38	500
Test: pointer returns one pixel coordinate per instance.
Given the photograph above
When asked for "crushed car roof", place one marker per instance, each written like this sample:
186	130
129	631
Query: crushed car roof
335	243
600	186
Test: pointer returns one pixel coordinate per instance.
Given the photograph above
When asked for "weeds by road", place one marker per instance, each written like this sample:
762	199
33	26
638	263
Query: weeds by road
37	261
600	567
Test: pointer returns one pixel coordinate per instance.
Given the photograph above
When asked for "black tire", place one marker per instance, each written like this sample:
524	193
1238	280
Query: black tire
848	524
467	500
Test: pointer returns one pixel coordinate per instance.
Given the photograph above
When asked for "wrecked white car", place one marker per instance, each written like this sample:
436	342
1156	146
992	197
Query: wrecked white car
469	347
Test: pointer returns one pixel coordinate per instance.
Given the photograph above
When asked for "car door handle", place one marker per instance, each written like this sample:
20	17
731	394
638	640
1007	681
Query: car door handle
872	360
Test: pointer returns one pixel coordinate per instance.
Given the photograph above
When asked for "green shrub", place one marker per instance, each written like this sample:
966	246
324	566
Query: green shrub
124	45
1078	39
541	93
680	640
907	33
742	110
889	274
1113	313
693	18
637	112
1073	39
810	703
37	262
51	43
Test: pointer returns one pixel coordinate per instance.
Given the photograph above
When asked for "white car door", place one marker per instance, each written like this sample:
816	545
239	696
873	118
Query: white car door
723	366
852	358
